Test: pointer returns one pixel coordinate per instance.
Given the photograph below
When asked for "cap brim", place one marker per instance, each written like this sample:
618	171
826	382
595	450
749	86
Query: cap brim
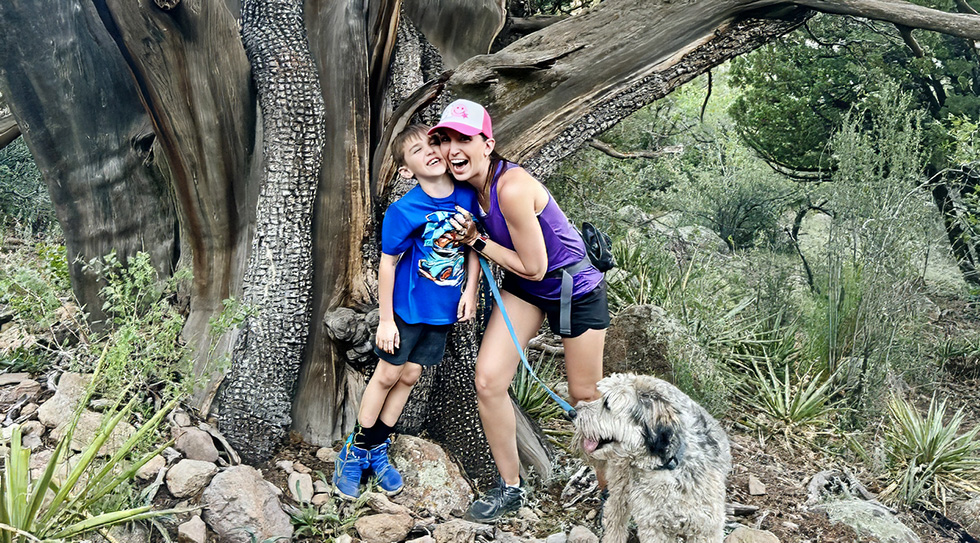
464	129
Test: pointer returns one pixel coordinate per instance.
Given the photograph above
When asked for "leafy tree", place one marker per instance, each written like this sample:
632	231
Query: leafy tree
797	90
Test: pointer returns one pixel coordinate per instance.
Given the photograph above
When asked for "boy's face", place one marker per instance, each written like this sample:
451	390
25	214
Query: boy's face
423	158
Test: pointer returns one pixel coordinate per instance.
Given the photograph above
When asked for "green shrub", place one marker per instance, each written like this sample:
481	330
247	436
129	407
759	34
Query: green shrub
47	509
927	459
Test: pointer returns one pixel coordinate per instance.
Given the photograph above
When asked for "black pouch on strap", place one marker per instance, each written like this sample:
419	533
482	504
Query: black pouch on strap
599	247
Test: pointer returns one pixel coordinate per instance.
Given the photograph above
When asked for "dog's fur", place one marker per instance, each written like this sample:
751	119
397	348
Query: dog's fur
638	430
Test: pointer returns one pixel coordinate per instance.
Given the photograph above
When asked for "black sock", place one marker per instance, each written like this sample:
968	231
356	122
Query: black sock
371	437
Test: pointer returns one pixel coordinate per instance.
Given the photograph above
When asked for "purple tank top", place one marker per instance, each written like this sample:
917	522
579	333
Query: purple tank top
563	243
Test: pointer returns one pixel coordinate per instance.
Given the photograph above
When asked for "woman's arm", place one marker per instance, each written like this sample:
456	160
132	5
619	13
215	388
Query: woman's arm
519	196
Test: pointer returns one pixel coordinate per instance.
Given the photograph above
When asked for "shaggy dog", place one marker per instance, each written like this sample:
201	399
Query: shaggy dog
665	460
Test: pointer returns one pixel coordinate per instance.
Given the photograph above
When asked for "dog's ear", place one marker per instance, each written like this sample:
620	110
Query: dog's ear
658	420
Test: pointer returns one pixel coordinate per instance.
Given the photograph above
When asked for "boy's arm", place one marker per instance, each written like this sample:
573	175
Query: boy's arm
467	302
387	334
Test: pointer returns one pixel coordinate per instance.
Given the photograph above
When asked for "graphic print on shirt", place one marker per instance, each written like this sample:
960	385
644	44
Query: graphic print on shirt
443	261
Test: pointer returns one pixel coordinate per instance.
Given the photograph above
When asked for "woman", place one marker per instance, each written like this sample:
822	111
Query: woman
530	237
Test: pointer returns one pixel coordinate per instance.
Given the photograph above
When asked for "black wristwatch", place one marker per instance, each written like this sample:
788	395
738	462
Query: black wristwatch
480	243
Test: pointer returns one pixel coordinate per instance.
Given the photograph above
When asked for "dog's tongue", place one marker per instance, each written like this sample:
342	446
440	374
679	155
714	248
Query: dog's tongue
589	445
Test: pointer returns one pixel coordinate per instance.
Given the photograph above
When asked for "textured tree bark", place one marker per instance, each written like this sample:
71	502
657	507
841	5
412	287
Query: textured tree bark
459	29
256	397
67	85
194	79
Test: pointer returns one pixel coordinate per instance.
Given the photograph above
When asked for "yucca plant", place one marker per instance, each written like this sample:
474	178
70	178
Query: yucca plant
530	395
928	458
46	509
789	399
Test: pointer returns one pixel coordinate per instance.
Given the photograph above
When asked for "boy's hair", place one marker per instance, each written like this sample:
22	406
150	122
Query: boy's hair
398	142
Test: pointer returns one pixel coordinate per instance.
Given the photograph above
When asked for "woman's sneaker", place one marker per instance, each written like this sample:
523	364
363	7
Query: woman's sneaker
388	477
496	503
348	469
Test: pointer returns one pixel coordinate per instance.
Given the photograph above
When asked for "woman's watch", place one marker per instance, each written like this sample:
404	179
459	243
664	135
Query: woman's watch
480	243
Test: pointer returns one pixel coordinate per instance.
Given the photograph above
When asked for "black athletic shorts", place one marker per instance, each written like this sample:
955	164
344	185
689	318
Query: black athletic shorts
590	311
424	344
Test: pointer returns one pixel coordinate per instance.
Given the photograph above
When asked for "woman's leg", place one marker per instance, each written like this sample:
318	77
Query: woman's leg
495	367
398	394
583	366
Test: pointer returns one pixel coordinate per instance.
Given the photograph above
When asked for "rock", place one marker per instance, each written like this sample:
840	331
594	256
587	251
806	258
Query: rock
644	339
29	410
744	534
423	539
71	390
32	428
756	487
150	469
703	238
506	537
285	465
131	532
300	468
182	419
868	519
188	477
196	445
13	378
967	513
461	531
300	486
383	527
192	531
581	534
28	388
321	487
556	538
87	428
326	454
32	442
432	480
379	503
239	500
343	539
14	337
319	499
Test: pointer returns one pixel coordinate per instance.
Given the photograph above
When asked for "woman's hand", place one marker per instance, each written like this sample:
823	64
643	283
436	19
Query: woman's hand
465	226
387	336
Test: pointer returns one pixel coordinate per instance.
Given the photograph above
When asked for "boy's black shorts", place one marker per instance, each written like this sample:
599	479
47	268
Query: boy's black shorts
424	344
590	311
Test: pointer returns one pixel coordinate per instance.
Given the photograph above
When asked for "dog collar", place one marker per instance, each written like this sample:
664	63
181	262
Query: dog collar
674	460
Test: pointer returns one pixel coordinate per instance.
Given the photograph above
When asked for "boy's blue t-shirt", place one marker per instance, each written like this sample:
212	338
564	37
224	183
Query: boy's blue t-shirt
430	274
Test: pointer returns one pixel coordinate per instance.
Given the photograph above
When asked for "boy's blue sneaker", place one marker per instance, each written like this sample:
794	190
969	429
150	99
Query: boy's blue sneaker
348	469
388	477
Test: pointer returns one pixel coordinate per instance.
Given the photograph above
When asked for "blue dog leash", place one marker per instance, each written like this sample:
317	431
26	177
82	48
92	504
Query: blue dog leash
569	410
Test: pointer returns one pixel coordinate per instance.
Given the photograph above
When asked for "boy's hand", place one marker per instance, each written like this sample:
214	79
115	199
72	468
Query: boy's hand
387	336
466	309
465	226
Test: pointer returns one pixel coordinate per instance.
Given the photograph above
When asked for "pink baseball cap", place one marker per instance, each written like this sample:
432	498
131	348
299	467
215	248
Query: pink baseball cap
467	118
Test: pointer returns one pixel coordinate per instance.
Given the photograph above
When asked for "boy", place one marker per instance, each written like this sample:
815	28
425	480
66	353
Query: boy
421	294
